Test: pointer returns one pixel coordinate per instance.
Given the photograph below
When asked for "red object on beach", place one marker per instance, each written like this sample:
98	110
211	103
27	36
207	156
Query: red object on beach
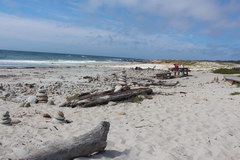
46	115
176	66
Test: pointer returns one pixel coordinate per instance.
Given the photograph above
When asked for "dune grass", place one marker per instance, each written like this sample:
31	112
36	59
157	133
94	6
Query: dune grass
138	99
227	71
237	84
76	96
235	93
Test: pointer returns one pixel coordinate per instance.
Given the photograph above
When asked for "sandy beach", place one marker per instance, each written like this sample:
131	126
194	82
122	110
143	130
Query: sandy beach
197	119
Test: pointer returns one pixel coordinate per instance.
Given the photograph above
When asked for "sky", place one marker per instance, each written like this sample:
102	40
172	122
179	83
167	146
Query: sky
148	29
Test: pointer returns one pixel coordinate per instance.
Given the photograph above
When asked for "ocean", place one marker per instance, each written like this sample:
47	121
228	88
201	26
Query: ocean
43	59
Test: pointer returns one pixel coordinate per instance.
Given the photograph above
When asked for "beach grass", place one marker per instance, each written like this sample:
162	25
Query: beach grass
138	99
237	84
235	93
183	62
76	96
227	71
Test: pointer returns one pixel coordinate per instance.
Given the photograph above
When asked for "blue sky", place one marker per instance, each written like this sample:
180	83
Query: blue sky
152	29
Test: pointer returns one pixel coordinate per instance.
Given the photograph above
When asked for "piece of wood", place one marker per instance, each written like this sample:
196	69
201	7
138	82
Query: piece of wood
105	97
118	96
92	142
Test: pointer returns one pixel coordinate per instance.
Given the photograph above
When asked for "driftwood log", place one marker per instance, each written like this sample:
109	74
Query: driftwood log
105	97
85	145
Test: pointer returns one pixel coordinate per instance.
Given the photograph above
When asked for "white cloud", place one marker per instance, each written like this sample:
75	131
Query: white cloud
199	9
181	14
52	31
133	44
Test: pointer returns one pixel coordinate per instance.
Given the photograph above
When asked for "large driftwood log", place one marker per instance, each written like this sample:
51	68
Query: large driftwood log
105	97
85	145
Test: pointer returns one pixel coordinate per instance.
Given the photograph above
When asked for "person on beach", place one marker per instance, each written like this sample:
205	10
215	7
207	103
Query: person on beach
181	69
176	69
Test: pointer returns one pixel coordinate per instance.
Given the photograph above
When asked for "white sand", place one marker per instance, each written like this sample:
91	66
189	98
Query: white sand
198	66
202	124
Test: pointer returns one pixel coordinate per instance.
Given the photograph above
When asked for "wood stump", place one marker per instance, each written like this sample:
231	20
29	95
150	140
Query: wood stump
92	142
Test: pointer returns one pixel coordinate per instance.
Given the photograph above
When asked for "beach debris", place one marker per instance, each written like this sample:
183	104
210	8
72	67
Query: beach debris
22	104
77	96
60	115
121	113
50	102
32	99
6	120
122	82
181	92
215	80
88	79
1	87
205	99
138	68
32	85
88	144
60	118
118	88
105	97
7	94
25	104
112	103
165	93
163	75
19	85
42	95
46	115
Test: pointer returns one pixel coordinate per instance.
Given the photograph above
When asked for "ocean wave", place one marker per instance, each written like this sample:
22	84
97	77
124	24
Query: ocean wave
45	62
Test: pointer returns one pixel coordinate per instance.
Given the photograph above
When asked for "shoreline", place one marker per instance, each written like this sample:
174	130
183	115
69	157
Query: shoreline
144	64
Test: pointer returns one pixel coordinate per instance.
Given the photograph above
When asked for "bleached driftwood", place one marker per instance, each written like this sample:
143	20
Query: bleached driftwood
105	97
85	145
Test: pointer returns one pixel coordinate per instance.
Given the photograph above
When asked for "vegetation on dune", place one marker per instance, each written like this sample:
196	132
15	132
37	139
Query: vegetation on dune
183	62
70	98
138	99
227	71
235	93
75	96
237	84
164	94
193	62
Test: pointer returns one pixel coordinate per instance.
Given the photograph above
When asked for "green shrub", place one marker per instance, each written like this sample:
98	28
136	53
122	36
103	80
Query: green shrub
227	71
70	98
76	96
238	84
235	93
138	99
